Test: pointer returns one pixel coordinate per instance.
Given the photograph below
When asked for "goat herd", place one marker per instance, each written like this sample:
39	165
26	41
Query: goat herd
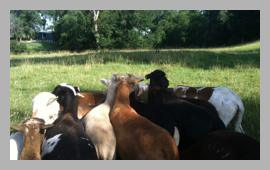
133	120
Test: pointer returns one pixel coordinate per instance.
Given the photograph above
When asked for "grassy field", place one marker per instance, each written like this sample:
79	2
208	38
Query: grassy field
237	68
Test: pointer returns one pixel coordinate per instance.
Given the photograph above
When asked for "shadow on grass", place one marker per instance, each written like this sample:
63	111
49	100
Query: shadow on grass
192	59
251	117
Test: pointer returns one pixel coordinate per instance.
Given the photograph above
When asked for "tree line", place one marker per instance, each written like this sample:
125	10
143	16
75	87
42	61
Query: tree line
134	29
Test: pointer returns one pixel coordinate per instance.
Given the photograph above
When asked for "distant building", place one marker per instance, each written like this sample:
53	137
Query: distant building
44	36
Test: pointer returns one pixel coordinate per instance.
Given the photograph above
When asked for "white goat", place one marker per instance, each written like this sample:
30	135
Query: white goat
46	107
98	126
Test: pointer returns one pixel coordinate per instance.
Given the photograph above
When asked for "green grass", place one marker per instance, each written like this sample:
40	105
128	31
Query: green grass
237	68
42	48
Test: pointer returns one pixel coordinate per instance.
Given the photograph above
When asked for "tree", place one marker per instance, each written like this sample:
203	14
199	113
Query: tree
244	25
73	31
195	30
32	22
94	15
31	19
16	26
130	28
176	29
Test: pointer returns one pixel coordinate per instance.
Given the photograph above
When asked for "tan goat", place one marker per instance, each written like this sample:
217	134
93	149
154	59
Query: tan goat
136	136
33	135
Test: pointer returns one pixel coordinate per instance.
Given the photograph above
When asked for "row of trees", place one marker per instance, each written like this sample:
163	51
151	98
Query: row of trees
27	23
85	29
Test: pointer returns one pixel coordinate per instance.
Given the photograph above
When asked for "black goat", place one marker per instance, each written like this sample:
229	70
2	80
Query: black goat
67	140
155	115
223	145
194	122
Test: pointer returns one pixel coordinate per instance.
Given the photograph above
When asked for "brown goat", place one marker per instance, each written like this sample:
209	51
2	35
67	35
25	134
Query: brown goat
33	136
83	110
136	136
90	98
84	99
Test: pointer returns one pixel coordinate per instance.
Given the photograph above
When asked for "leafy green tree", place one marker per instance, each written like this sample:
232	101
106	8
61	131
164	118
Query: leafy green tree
215	31
195	29
153	28
16	26
130	28
74	32
176	29
32	21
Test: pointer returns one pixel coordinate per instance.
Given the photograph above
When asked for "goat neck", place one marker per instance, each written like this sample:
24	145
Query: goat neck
122	95
70	103
31	151
111	94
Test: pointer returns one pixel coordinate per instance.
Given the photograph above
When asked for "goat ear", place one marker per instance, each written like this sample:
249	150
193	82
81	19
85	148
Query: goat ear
47	126
104	81
77	89
17	127
148	76
117	78
51	100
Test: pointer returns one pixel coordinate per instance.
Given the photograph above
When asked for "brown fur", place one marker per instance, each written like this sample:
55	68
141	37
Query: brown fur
136	136
91	99
83	110
204	94
33	135
83	102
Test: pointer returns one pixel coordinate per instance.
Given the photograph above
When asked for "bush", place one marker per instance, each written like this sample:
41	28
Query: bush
17	47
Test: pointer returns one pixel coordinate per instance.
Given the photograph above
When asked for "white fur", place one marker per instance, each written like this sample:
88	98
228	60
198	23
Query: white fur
176	136
199	89
48	113
141	93
144	86
78	94
47	146
70	87
16	145
227	102
184	88
98	126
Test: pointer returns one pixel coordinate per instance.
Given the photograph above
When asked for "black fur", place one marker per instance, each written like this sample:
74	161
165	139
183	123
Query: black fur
74	143
194	122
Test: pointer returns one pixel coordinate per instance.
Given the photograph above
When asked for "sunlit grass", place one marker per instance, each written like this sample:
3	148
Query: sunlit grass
235	68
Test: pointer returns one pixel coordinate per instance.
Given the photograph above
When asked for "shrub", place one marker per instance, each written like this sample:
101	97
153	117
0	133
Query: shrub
17	47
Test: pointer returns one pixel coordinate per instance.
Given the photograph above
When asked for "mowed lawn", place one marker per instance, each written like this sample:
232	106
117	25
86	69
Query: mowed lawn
237	68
